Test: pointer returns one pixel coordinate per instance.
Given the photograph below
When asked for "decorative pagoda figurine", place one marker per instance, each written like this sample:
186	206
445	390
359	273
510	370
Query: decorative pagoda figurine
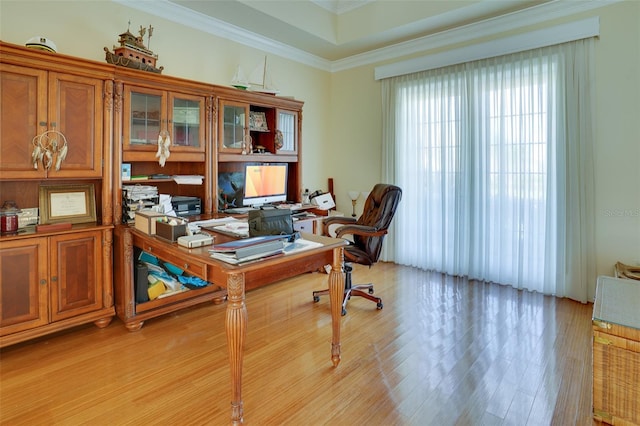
132	53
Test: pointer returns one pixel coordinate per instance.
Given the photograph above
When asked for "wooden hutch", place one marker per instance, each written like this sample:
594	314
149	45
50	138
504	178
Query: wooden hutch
112	116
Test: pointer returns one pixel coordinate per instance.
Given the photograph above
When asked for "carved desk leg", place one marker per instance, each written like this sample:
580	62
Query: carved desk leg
336	295
236	325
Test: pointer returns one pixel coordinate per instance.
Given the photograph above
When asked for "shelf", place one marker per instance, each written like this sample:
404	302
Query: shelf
144	120
277	158
148	155
212	290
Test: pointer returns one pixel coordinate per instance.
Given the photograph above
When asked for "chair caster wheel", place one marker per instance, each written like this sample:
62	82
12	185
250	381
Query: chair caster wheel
344	312
371	291
316	299
379	305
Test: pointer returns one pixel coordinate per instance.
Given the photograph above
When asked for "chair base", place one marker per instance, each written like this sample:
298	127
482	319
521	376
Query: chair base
349	290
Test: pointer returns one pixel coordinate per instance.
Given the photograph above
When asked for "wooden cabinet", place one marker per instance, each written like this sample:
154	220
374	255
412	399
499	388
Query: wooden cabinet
52	282
162	108
234	127
148	112
35	103
258	128
23	285
75	274
288	126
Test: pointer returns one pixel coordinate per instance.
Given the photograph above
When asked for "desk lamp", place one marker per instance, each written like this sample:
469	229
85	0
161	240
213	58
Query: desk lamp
353	195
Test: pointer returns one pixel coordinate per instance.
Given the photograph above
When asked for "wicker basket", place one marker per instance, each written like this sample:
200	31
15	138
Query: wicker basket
616	352
627	271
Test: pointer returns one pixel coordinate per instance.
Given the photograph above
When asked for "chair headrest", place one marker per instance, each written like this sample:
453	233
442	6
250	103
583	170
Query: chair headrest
380	206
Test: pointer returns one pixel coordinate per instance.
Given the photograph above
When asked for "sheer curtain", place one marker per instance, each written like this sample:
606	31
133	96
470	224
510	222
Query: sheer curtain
495	161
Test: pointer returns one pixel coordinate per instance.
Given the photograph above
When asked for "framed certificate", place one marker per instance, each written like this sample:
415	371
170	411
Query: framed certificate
67	203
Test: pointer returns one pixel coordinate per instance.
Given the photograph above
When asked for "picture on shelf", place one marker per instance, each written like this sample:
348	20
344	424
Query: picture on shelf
74	203
230	190
258	121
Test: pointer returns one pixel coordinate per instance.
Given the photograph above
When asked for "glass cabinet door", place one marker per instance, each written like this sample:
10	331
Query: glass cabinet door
287	139
144	117
187	116
234	126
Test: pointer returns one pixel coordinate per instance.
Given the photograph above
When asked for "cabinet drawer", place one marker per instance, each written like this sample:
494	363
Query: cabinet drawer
303	226
192	267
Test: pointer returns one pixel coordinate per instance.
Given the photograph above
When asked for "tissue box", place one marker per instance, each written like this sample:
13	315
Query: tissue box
324	201
145	221
28	217
171	232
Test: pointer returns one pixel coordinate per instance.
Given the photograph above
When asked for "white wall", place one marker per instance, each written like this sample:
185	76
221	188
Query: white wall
342	111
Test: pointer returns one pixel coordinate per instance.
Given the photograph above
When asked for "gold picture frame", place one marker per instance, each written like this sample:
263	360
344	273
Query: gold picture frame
67	203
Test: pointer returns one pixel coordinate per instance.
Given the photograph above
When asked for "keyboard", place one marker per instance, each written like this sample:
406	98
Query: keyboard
239	210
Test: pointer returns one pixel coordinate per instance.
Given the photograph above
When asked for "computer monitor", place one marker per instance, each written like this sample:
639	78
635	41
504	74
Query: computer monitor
264	183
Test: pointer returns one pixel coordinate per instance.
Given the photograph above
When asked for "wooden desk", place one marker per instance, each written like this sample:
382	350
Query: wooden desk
236	279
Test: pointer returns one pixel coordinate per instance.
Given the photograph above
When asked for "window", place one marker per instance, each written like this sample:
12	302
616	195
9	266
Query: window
482	153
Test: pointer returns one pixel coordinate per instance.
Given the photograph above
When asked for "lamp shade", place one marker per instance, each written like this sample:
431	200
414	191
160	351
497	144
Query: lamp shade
353	195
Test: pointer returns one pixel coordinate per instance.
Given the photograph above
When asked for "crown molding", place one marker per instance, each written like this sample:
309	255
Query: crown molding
534	15
201	22
487	28
338	7
563	33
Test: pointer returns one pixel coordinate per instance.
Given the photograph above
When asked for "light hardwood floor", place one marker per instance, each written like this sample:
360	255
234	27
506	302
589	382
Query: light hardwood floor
443	351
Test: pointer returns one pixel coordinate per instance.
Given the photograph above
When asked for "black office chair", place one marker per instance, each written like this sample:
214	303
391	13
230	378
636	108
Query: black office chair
368	233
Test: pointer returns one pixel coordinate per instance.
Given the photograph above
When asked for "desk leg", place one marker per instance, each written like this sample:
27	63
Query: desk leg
336	295
236	325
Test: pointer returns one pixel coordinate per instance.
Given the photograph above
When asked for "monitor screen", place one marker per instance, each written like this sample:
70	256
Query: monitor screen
264	183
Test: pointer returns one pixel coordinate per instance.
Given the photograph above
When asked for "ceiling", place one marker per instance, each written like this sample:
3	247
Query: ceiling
333	30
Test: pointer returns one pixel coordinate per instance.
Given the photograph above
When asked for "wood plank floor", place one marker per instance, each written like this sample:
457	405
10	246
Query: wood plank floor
443	351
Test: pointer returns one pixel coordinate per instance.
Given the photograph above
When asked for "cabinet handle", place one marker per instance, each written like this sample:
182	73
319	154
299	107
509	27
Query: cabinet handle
185	266
43	124
54	279
53	124
43	281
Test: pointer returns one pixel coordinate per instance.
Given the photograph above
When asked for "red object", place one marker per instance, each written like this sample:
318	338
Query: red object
9	224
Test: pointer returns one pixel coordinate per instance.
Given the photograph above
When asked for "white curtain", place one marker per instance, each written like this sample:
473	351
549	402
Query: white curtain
495	161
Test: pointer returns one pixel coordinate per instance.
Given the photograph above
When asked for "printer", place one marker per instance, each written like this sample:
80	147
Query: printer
186	206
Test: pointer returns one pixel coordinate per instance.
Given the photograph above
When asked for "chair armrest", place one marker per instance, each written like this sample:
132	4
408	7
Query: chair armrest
336	220
363	230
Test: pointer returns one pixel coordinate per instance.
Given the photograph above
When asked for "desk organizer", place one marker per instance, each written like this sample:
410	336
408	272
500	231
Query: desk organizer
170	232
146	221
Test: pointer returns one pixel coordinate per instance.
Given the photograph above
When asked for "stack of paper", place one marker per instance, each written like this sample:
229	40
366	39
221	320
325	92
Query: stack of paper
235	229
188	179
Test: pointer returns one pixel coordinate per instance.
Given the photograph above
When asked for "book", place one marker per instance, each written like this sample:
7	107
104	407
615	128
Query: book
263	249
236	229
233	259
139	177
233	246
126	171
